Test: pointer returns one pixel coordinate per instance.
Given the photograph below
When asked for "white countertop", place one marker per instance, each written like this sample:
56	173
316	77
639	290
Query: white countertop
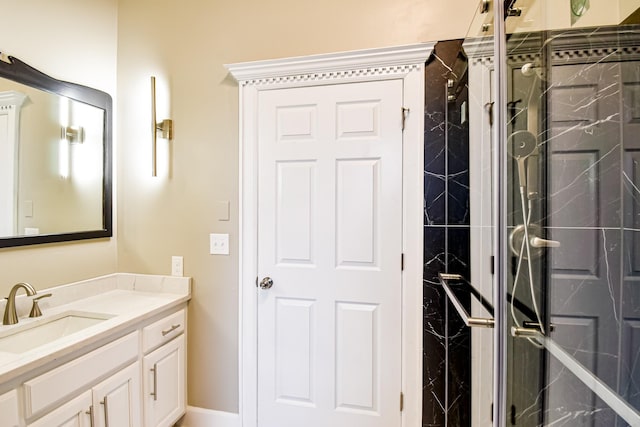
126	299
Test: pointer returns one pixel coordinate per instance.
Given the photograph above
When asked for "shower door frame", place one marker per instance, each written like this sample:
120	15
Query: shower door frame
500	204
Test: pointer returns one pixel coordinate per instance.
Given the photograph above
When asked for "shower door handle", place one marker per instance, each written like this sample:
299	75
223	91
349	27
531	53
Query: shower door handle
472	322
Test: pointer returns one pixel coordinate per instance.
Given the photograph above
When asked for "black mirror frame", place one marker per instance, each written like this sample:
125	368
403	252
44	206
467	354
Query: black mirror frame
20	72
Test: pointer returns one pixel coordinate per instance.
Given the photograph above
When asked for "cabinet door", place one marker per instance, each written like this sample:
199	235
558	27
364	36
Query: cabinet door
164	384
75	413
117	399
9	409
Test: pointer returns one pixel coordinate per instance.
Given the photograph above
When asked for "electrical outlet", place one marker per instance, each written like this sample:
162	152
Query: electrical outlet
219	244
177	266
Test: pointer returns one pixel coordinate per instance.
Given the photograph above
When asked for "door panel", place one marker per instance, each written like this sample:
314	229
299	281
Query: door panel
164	384
75	413
295	337
116	401
330	237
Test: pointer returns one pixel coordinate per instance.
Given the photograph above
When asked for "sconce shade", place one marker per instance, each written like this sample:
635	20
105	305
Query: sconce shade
73	134
165	128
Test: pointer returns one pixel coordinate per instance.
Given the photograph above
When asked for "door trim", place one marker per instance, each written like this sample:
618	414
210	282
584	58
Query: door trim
404	63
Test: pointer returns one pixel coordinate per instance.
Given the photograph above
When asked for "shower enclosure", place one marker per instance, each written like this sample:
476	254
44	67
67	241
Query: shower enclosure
532	218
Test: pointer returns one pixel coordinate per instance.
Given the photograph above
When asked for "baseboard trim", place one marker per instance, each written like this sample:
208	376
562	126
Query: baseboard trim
200	417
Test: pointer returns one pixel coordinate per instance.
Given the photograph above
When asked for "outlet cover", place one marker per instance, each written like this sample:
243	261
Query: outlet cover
177	266
218	244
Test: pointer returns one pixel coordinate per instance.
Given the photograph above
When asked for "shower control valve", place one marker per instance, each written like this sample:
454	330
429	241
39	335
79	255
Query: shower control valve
538	242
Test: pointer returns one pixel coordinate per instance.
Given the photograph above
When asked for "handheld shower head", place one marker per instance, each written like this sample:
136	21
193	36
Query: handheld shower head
520	145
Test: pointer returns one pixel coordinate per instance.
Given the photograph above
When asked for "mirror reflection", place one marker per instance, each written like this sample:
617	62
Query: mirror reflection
57	162
55	149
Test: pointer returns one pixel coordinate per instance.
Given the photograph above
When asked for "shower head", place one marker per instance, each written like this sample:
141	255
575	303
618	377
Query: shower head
528	69
520	145
531	69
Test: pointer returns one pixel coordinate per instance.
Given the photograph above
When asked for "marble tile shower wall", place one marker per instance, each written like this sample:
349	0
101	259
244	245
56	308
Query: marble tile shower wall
589	165
593	193
446	340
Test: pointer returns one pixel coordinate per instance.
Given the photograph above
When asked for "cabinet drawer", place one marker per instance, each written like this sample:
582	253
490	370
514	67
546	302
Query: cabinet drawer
9	409
47	389
163	330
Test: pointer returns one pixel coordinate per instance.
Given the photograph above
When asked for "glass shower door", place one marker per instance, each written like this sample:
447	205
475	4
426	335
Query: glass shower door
572	199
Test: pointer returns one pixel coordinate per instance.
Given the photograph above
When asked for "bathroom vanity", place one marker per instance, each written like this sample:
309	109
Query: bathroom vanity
106	352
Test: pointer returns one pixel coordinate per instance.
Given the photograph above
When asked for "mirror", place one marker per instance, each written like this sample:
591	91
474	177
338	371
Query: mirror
55	158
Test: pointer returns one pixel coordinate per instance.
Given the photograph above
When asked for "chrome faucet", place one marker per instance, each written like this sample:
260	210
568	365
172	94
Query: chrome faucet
10	315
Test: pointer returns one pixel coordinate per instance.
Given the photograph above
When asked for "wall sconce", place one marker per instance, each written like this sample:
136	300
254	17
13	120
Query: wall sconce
72	134
68	135
165	128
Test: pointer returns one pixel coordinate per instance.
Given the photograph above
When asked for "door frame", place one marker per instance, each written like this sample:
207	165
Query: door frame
404	63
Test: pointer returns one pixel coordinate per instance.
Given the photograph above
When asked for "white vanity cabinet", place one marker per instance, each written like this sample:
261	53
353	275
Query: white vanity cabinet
103	388
48	390
100	375
75	413
9	409
116	401
164	371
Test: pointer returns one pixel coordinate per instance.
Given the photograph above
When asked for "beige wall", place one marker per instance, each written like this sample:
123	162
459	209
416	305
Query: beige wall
627	7
186	44
72	40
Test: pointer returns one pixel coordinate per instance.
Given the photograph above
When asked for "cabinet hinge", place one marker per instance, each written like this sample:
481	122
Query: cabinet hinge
402	262
401	401
492	265
405	113
256	281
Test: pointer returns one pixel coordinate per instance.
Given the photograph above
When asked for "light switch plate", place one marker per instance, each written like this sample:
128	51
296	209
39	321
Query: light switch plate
218	244
221	210
177	266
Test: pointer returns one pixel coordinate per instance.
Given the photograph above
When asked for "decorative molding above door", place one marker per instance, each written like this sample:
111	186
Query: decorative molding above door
362	65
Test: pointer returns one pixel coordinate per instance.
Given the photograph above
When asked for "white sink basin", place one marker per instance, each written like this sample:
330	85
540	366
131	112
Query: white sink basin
46	330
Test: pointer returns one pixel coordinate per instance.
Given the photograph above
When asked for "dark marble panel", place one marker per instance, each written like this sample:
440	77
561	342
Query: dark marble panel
458	160
435	153
631	188
570	403
437	71
434	332
630	357
630	362
584	147
458	335
435	197
589	289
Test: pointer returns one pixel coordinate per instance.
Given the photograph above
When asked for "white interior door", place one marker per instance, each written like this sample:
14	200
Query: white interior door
330	238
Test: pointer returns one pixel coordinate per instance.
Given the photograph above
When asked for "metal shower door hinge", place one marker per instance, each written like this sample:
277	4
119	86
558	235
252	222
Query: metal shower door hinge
484	6
405	113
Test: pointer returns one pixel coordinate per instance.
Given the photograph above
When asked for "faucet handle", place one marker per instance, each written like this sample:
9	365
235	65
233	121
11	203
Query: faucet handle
35	309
